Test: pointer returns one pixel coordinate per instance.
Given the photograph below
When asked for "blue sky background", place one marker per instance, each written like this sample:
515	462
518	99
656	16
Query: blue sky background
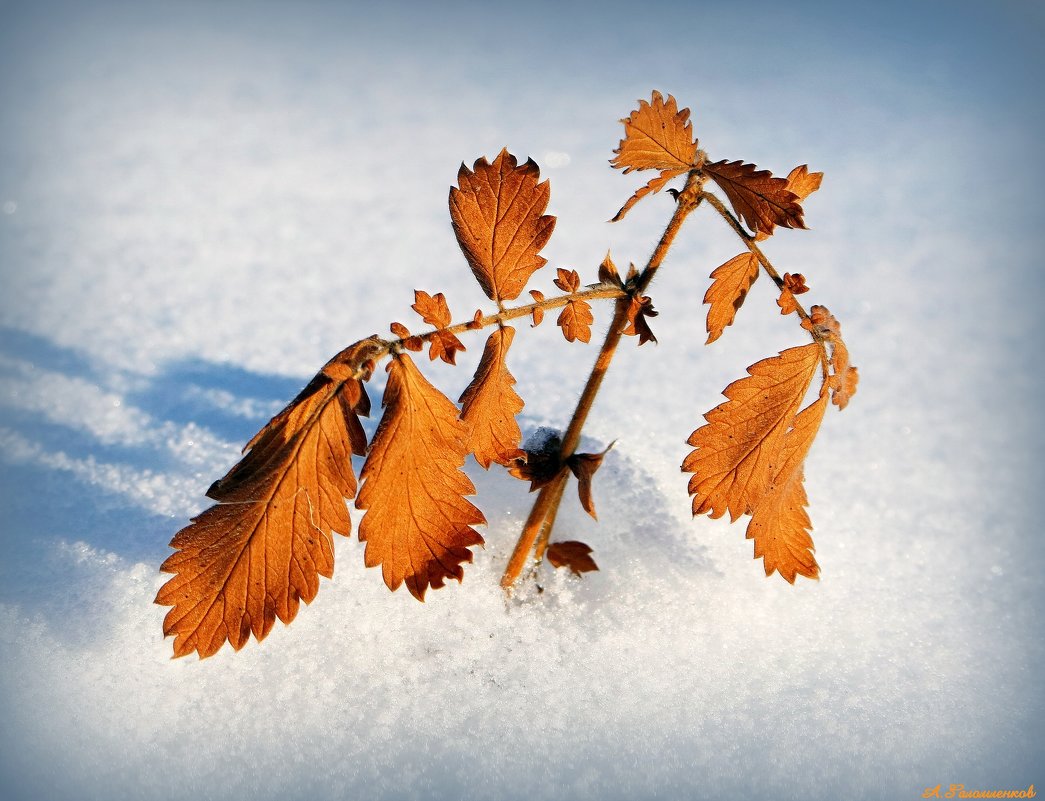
200	203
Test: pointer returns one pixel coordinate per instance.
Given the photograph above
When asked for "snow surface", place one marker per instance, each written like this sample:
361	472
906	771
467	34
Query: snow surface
200	204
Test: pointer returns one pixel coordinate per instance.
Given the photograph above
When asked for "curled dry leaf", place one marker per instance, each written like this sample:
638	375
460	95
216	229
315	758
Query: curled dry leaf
729	287
498	217
786	301
584	466
639	308
657	136
608	272
418	523
732	463
803	183
576	556
793	285
780	525
761	200
489	404
540	463
796	283
844	377
261	549
822	323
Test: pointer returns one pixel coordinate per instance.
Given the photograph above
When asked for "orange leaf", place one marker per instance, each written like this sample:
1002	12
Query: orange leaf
537	313
608	273
657	136
639	308
803	183
418	525
822	323
567	280
489	404
584	466
433	309
252	557
779	524
576	319
727	292
573	555
844	377
497	217
737	448
760	199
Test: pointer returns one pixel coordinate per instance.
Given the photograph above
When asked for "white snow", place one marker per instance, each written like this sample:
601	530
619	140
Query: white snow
202	204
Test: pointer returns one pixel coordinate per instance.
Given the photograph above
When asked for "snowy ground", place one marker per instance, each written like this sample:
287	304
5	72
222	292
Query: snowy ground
199	206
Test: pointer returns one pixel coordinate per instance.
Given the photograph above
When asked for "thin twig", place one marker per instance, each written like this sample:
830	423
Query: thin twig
542	515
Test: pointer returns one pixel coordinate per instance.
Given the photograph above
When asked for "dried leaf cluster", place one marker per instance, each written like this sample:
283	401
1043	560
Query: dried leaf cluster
260	550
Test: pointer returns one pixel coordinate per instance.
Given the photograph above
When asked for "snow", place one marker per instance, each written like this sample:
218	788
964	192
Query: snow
202	204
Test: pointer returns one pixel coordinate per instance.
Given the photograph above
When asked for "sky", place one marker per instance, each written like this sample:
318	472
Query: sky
200	204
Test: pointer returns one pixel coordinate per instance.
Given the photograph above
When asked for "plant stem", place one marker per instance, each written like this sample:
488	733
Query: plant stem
546	506
771	271
549	495
749	241
596	292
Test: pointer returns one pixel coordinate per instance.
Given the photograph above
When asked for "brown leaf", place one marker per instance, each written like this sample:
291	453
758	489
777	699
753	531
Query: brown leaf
497	217
489	404
418	524
786	301
639	308
737	448
433	309
796	284
608	273
727	292
761	200
576	319
567	280
539	465
584	466
538	314
444	345
844	377
435	312
410	342
477	320
803	183
252	557
573	555
657	136
793	285
822	322
779	524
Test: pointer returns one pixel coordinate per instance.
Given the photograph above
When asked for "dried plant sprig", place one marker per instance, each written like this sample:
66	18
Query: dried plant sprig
260	550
